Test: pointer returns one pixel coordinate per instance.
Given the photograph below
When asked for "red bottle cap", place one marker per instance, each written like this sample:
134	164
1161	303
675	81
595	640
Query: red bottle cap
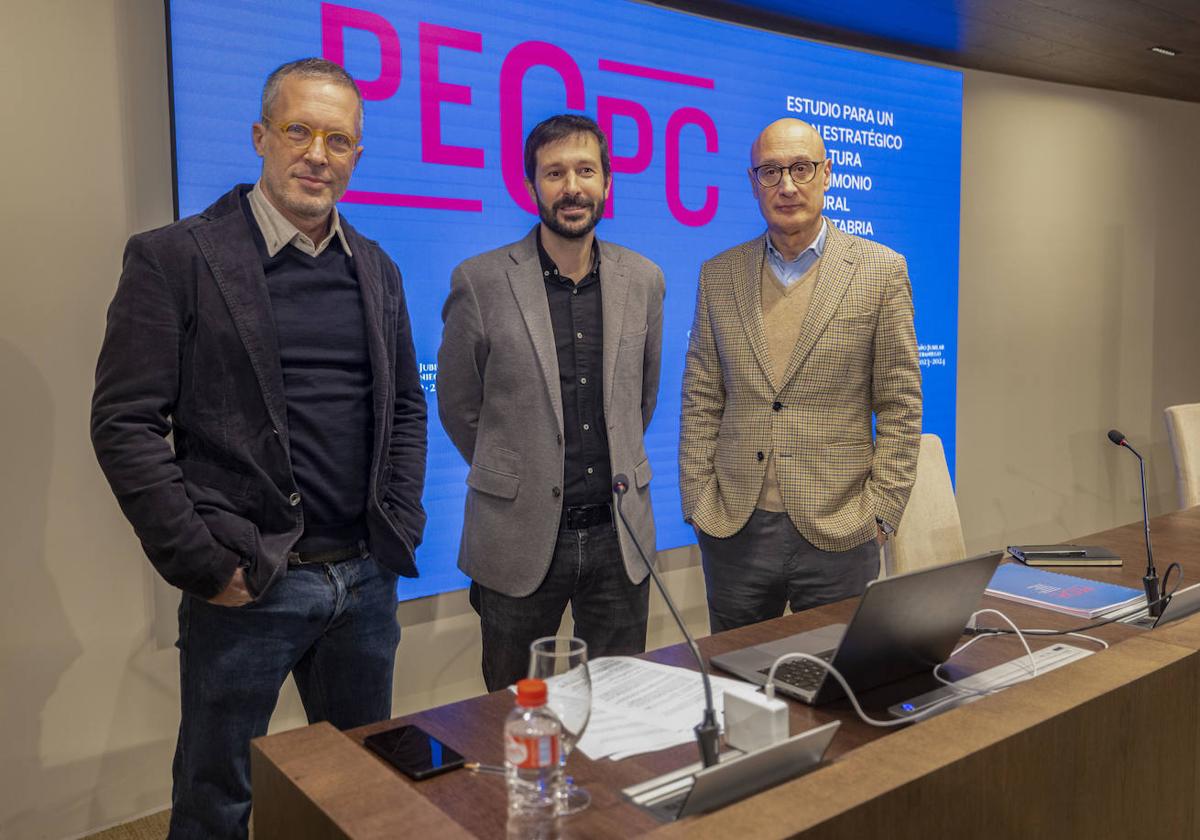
531	693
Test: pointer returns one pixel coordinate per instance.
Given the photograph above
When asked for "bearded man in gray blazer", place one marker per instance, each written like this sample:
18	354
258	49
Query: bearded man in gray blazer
547	379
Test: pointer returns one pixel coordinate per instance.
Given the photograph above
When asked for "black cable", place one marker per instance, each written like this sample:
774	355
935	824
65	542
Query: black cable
1169	595
1167	576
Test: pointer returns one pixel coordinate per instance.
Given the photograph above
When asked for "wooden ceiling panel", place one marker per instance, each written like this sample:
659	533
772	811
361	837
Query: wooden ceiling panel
1027	16
1144	20
1187	9
1095	43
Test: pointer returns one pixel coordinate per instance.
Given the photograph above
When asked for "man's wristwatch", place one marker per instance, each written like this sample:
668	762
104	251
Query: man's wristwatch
887	529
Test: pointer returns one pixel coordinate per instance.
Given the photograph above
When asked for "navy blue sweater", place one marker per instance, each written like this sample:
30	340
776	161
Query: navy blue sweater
327	381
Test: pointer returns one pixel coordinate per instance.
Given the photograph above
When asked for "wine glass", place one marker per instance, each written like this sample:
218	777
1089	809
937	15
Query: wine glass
562	662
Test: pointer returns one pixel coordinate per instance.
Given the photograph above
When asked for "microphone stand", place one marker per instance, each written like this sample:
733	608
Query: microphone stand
1150	581
707	731
1154	604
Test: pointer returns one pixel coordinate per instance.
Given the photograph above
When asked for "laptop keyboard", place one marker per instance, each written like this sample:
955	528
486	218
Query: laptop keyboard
800	673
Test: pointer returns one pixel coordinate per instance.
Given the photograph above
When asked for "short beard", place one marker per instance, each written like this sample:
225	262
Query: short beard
549	217
306	207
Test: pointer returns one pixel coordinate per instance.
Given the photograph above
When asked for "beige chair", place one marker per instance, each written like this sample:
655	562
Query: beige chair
930	533
1183	428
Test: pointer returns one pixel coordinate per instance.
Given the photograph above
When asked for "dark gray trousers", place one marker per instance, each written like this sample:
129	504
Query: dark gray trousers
587	572
768	565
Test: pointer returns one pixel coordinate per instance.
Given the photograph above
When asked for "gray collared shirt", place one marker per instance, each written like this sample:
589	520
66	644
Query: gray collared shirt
789	271
277	231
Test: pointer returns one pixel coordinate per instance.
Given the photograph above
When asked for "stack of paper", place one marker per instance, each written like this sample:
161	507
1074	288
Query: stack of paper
640	707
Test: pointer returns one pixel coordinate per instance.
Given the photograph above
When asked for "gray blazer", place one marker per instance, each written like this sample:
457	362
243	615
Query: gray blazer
499	400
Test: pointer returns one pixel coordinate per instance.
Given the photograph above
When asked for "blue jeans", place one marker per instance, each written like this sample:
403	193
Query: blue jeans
750	576
609	611
332	626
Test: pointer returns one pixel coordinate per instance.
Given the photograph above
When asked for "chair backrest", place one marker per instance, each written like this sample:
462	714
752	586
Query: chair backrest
1183	429
930	533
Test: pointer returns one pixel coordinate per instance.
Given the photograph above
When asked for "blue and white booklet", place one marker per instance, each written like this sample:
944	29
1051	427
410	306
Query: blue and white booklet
1061	593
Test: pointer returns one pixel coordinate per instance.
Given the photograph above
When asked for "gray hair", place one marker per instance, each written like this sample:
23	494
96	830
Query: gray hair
310	68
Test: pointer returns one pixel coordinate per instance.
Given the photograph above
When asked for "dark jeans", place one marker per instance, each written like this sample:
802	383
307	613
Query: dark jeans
609	612
752	575
333	626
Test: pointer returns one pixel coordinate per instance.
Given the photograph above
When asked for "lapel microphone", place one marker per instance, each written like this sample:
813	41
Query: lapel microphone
1154	604
708	733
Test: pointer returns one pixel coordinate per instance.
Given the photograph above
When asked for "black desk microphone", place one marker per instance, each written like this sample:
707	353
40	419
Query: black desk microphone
707	731
1154	604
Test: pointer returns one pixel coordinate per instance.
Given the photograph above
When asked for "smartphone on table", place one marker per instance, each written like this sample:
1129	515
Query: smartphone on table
414	752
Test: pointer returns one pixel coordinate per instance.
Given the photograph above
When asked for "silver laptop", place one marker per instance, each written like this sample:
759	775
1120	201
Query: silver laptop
695	790
1183	603
904	625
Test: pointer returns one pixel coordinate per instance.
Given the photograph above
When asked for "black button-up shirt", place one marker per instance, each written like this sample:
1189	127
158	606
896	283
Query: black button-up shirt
577	316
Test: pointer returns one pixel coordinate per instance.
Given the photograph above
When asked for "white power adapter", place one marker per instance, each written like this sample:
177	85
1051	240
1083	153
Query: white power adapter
753	721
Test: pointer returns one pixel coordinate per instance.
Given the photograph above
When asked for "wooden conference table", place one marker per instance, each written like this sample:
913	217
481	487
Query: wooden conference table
1104	747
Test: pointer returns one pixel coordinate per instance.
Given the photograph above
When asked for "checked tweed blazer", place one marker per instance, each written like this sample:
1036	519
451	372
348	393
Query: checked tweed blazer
856	356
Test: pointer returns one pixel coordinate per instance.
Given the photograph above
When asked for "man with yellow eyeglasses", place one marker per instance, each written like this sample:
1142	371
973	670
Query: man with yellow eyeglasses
272	344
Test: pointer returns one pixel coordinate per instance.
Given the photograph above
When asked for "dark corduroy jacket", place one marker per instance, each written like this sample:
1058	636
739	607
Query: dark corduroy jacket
191	351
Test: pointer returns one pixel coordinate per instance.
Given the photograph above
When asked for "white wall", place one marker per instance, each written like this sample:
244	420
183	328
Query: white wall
1076	308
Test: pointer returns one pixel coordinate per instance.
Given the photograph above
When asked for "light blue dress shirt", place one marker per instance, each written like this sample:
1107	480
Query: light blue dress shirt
789	272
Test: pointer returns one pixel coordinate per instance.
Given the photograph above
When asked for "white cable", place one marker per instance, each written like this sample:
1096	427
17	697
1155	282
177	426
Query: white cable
1103	644
769	688
1020	635
1032	631
949	683
987	632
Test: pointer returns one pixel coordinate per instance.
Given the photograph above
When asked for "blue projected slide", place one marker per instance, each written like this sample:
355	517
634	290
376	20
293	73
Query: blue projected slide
452	87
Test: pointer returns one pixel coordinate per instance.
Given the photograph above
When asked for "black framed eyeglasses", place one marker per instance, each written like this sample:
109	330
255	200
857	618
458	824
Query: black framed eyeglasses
802	171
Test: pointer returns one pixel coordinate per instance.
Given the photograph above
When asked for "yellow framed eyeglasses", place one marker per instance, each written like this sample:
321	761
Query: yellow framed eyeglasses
301	136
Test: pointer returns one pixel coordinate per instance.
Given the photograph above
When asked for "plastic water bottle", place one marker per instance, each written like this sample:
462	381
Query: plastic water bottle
532	736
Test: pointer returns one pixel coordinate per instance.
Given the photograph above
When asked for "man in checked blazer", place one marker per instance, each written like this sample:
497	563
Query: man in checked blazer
800	336
547	378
